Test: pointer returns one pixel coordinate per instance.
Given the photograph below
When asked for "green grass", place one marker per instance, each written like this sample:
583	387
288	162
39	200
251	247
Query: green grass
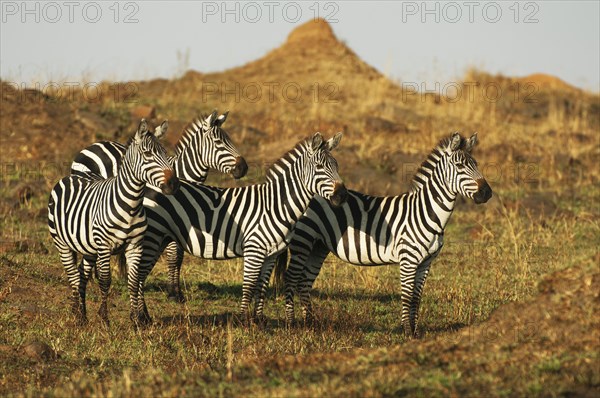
493	256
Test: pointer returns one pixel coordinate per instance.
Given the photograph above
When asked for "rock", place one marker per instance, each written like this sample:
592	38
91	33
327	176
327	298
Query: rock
39	351
314	30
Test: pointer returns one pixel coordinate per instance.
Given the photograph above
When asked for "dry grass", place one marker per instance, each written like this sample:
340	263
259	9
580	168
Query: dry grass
510	306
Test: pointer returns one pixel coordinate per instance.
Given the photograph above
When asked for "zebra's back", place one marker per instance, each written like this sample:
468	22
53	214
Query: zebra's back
206	221
82	212
362	231
99	160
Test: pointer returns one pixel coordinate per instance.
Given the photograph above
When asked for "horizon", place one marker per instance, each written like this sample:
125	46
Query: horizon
452	38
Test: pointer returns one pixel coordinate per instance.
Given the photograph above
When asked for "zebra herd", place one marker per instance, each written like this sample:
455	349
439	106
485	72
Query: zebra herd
136	202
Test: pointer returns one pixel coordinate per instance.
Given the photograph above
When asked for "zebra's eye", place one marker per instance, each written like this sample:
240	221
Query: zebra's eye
319	166
460	166
148	153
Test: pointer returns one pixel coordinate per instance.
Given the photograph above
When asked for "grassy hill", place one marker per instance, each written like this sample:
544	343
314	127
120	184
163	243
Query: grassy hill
511	304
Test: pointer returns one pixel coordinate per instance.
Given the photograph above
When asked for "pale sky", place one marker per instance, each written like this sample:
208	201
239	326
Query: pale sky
410	41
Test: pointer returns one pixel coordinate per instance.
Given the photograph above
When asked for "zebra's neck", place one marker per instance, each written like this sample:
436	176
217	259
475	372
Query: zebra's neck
128	185
434	200
287	196
187	161
435	203
189	166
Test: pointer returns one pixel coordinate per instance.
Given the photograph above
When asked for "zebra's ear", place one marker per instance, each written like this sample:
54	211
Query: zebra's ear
221	119
161	130
317	141
210	120
455	141
471	142
141	130
332	143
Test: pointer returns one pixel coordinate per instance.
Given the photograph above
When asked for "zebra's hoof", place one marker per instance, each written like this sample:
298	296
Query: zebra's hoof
410	334
141	320
105	322
290	323
260	320
244	319
309	320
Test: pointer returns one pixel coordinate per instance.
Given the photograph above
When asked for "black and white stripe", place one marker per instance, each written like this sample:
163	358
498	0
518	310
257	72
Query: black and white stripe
204	145
97	217
251	222
407	230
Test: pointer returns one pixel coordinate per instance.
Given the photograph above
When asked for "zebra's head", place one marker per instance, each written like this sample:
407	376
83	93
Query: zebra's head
149	158
462	175
321	174
211	148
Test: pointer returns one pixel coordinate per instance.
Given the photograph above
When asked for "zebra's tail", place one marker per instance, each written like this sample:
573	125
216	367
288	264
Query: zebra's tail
122	265
279	271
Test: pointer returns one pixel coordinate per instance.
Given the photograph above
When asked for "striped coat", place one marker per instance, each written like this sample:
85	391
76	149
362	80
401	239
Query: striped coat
204	145
407	230
253	221
98	217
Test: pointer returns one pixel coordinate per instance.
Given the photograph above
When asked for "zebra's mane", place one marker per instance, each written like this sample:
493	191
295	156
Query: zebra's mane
284	162
129	141
132	136
425	171
189	131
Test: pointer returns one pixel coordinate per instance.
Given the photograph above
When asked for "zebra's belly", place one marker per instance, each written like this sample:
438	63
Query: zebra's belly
205	245
116	238
79	238
364	261
363	251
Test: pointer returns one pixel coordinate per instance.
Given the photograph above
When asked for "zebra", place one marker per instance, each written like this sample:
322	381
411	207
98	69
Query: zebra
253	222
97	217
204	145
370	231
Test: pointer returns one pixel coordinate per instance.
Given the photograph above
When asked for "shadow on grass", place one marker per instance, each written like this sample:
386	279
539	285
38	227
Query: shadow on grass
451	327
383	298
321	323
212	290
221	319
222	291
235	291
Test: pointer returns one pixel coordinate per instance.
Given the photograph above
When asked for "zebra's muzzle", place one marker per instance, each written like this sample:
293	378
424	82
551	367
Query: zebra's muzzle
240	169
339	195
484	193
170	183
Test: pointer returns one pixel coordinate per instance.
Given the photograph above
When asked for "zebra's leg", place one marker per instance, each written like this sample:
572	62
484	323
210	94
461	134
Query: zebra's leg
88	263
408	270
141	260
265	275
293	274
174	254
421	276
104	280
68	259
311	270
254	258
301	248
